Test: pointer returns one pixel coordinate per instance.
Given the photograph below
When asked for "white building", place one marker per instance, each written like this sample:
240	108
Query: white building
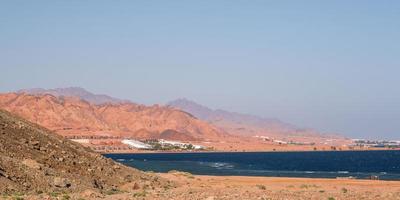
81	141
136	144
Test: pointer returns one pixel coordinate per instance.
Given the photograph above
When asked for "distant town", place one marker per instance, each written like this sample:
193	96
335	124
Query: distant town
117	144
377	143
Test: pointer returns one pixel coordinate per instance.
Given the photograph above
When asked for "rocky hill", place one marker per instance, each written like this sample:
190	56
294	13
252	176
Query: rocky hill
75	116
34	160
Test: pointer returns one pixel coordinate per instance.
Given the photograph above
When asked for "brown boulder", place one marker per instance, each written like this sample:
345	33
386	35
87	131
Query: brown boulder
61	182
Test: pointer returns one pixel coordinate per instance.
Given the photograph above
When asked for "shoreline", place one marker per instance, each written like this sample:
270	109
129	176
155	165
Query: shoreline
282	179
289	151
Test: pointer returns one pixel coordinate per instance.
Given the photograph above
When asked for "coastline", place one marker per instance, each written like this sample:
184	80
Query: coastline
288	151
255	179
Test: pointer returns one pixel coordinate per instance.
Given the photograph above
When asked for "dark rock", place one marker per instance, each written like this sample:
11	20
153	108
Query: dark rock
136	186
97	184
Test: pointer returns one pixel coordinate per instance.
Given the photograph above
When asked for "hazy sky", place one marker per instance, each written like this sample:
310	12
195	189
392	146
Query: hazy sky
330	65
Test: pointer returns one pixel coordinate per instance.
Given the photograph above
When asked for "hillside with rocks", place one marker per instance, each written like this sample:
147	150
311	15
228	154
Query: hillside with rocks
33	160
75	116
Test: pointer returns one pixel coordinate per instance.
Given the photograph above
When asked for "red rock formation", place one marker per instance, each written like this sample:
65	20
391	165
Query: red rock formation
74	116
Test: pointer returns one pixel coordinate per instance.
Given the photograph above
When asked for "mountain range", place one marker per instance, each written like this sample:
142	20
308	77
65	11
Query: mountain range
74	92
75	111
242	124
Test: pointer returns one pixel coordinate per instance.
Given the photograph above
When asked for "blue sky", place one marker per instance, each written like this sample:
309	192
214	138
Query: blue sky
330	65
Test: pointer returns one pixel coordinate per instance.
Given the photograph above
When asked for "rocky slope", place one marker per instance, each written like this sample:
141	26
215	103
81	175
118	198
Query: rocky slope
74	116
34	160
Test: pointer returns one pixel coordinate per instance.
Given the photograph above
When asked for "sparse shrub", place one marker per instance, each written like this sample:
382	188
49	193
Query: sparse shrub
113	191
261	187
331	198
303	186
66	197
140	194
344	190
54	194
167	187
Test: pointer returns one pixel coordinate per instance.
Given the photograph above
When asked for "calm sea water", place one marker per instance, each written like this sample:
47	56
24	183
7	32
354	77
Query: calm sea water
359	164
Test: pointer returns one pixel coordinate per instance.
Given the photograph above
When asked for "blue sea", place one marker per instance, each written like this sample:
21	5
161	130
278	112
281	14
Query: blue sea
332	164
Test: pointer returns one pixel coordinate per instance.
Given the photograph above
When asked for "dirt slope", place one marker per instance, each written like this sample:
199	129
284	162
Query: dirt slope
35	160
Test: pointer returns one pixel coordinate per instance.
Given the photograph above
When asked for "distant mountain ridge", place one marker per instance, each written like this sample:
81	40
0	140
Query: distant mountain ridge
74	92
208	114
150	122
241	124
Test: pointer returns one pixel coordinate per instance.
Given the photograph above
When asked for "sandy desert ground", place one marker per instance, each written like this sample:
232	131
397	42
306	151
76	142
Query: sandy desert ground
249	188
212	187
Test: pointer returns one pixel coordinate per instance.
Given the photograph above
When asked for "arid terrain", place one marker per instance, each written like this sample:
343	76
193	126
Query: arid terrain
249	188
36	163
72	116
211	187
101	122
199	100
